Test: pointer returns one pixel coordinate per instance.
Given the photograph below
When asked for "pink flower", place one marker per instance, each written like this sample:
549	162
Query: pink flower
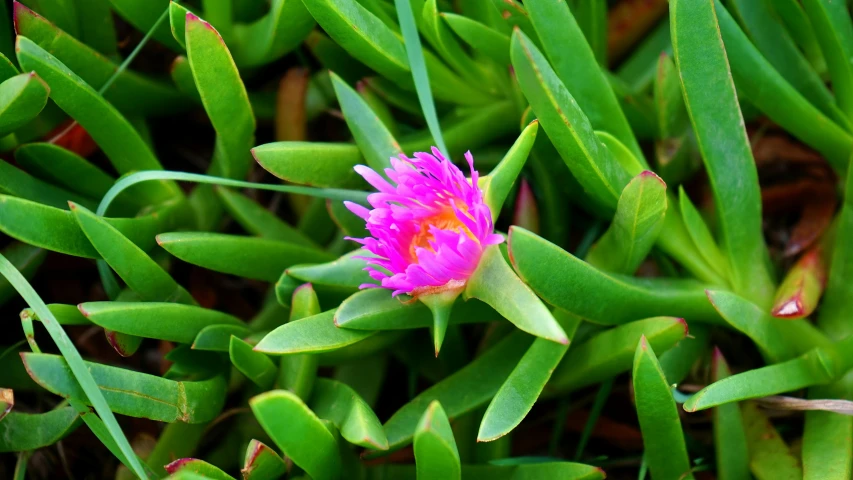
429	231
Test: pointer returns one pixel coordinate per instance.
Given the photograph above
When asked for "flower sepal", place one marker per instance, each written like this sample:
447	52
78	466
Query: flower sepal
440	303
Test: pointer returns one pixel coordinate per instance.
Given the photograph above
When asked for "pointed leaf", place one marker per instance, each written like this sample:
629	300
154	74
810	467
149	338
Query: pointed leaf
22	97
314	334
337	402
729	433
256	366
262	462
436	455
498	183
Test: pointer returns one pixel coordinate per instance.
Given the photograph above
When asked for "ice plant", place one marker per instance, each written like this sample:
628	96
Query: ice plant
428	231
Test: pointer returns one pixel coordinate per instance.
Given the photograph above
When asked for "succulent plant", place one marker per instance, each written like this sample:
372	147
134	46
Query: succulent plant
375	239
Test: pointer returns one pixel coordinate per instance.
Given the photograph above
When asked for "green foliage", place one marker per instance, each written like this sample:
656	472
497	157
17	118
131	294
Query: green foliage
195	157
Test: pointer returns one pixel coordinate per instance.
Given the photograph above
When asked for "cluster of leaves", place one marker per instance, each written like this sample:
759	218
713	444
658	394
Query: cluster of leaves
294	380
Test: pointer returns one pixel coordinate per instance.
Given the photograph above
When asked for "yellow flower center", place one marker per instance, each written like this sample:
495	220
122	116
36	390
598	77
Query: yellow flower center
443	220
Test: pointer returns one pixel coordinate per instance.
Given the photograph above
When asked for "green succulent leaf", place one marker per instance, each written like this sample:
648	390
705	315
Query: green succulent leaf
262	462
29	431
338	403
436	455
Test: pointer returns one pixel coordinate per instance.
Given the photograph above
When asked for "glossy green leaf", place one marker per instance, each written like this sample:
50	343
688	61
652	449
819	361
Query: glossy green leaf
835	309
701	235
77	369
130	92
828	437
802	287
497	185
144	15
767	32
521	470
224	98
496	284
469	388
262	462
195	466
729	433
372	137
141	273
270	37
765	88
436	455
376	309
834	31
610	352
298	433
566	124
217	337
250	257
298	373
132	393
22	97
482	38
163	321
571	284
28	431
338	403
522	388
439	35
65	168
316	164
256	366
777	340
796	21
813	368
118	139
711	100
638	220
57	230
678	362
664	450
16	182
575	64
345	273
314	334
769	457
257	220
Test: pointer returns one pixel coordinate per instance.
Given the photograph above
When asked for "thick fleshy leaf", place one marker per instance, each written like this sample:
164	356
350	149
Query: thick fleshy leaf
663	440
250	257
718	124
499	182
130	92
671	113
639	69
64	167
224	98
729	433
800	291
777	340
217	337
262	462
299	372
14	181
521	389
436	455
141	273
611	352
828	437
314	334
482	38
770	458
338	403
20	432
163	321
133	393
256	366
345	273
57	230
298	432
22	97
315	164
183	466
469	388
376	309
118	139
268	38
834	31
765	88
701	235
566	124
834	312
26	258
574	61
372	137
571	284
639	219
496	284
